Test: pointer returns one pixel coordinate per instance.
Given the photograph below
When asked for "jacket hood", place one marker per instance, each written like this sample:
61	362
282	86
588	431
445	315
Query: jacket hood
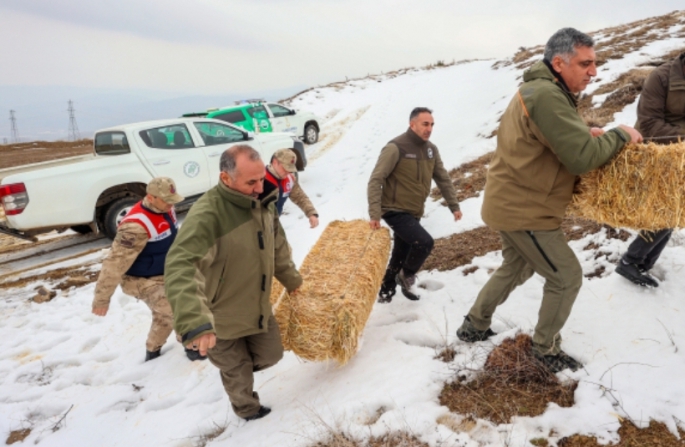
538	70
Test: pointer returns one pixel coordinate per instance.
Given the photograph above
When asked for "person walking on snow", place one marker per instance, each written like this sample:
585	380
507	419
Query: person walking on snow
219	275
397	191
136	261
542	145
660	115
281	174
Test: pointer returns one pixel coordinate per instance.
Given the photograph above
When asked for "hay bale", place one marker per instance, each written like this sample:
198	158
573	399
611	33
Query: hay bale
342	275
642	188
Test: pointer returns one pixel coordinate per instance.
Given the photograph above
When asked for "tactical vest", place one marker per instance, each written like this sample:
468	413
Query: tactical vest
285	187
161	230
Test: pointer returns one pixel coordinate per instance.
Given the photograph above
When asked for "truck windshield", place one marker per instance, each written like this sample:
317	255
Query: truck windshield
111	143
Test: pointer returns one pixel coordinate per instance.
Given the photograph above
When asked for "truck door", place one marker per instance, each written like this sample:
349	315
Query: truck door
283	119
217	137
170	152
260	118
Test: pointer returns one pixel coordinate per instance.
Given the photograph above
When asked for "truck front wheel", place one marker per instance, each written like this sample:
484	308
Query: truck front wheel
311	134
115	213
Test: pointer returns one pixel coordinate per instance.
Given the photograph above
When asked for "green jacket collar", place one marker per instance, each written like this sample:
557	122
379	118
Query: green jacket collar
242	200
415	139
543	70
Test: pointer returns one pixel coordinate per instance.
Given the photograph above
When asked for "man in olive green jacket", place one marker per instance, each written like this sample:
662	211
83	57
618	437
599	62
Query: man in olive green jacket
397	191
660	117
218	277
542	145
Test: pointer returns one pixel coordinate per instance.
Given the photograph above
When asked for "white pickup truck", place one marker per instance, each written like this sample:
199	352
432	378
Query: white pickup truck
93	192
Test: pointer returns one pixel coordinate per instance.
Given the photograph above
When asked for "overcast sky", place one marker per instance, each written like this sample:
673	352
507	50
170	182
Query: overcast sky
218	46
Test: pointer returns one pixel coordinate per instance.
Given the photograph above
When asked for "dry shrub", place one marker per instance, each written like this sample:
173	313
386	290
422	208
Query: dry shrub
643	187
18	436
342	275
513	383
468	179
396	439
656	435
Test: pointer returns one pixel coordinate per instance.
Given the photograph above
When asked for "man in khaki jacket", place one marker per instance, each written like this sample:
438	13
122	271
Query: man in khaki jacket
219	273
397	191
661	117
542	145
281	174
136	261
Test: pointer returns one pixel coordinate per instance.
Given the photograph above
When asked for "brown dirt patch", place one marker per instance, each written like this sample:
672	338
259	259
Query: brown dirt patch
18	436
468	179
460	248
513	383
59	279
396	439
19	154
656	435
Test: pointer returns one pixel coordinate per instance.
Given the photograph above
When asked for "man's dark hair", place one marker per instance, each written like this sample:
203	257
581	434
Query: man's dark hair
563	43
418	110
229	157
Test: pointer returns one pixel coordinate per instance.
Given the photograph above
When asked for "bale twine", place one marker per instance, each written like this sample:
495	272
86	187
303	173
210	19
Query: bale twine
642	187
342	275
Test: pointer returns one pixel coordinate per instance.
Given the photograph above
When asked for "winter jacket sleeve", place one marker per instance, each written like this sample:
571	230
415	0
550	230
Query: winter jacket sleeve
444	182
651	108
130	240
557	122
387	160
184	281
300	198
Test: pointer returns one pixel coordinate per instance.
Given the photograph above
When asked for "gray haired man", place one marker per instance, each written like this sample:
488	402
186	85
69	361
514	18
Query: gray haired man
542	145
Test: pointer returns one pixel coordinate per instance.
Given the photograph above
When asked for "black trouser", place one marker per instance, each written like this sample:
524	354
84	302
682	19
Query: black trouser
647	247
411	245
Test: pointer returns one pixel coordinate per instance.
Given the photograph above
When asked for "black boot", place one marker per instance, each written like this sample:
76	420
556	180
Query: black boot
194	355
558	362
263	411
635	274
151	355
468	332
406	284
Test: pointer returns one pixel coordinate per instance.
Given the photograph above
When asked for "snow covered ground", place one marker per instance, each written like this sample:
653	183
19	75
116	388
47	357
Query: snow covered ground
57	358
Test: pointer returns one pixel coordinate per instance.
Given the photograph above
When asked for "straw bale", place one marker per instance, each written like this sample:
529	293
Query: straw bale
342	274
642	188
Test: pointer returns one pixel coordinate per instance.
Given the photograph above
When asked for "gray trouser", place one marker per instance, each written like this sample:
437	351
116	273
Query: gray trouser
526	252
239	358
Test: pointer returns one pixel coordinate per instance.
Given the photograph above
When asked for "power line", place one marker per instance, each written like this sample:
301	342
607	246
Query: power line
15	131
73	127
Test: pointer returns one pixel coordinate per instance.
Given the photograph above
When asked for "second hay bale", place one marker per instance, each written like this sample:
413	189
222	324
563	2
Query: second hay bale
643	188
342	275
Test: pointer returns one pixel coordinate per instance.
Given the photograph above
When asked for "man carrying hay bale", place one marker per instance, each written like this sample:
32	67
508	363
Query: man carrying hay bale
219	274
542	145
397	191
660	116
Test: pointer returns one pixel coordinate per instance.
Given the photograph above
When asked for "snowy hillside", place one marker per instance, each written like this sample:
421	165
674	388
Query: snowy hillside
75	379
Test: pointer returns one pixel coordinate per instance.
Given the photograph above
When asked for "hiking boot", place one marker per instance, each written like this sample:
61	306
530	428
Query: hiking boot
559	362
388	290
468	332
194	355
151	355
263	411
406	284
635	274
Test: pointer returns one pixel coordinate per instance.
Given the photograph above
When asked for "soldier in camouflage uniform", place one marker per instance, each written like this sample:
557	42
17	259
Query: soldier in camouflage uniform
281	174
136	261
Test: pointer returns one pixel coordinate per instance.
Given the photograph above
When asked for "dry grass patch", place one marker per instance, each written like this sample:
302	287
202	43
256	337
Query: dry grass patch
60	279
513	383
468	179
17	436
656	435
19	154
396	439
623	91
